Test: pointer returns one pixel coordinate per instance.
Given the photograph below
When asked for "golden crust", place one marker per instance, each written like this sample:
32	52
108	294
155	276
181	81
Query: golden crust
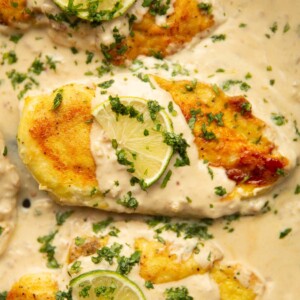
149	39
55	143
39	286
158	265
12	11
89	246
237	143
229	285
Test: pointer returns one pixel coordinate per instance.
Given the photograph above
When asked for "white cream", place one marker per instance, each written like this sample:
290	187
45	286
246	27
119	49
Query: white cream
9	185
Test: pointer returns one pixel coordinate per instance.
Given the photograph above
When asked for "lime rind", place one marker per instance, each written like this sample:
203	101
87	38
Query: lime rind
95	10
152	157
121	282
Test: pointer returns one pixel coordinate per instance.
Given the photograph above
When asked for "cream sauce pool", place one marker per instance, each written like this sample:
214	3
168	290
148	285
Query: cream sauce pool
262	39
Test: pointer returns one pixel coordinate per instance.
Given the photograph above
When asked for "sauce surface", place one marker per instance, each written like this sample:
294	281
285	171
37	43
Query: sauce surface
261	47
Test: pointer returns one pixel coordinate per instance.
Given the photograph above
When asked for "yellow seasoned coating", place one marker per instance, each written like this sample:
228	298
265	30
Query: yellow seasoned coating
39	286
159	265
13	11
230	287
227	134
88	246
54	143
150	39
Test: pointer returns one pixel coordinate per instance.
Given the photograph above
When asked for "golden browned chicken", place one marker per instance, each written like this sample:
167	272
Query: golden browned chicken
227	134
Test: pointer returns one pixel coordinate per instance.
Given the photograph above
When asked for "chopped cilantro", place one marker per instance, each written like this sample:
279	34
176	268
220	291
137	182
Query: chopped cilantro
5	151
49	249
57	100
210	172
229	83
218	38
51	63
16	77
120	109
105	292
75	267
61	217
74	50
297	189
61	295
79	241
89	57
100	226
274	27
16	37
206	8
107	253
125	264
193	117
85	291
154	108
278	119
145	78
179	145
106	84
37	67
286	27
157	7
128	201
166	179
171	109
220	191
207	135
149	284
10	57
190	87
280	172
284	233
178	293
1	230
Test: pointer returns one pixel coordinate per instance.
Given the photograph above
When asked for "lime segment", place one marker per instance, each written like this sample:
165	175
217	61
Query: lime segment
95	10
104	285
139	140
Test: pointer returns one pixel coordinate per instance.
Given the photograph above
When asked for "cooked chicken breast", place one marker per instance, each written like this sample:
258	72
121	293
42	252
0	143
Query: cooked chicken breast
57	142
54	142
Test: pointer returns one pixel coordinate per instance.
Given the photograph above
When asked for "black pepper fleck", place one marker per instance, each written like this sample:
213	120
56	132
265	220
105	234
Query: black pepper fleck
26	203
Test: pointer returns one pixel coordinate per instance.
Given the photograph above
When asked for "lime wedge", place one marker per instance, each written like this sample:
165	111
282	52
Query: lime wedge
100	285
138	137
95	10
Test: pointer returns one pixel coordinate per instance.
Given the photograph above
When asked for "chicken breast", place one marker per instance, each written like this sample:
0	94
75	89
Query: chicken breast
58	141
54	142
39	286
119	40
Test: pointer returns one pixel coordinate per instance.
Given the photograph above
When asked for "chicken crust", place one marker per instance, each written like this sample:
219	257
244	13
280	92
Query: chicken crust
54	144
148	38
159	265
40	286
13	11
227	134
231	288
89	246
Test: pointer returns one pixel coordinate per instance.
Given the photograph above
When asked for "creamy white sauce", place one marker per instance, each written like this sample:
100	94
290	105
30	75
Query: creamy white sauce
255	240
9	183
185	181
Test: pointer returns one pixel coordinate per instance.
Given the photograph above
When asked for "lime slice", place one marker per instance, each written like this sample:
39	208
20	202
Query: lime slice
100	285
139	142
95	10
